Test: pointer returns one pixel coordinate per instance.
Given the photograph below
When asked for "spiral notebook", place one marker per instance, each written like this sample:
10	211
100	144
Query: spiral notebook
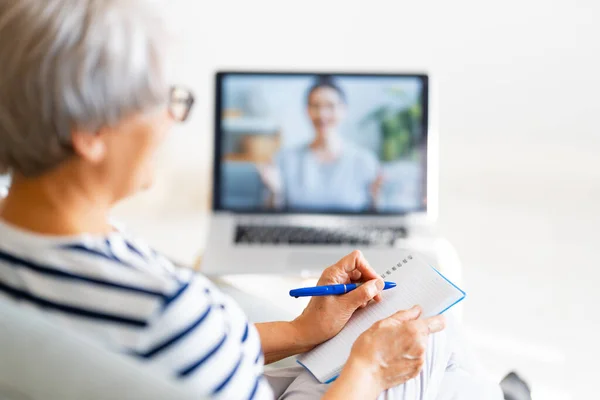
417	283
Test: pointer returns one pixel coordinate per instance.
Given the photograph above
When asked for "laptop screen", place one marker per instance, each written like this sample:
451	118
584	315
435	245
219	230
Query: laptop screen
321	143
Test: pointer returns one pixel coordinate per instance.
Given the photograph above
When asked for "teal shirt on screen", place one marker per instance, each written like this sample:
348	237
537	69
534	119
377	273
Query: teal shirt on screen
340	185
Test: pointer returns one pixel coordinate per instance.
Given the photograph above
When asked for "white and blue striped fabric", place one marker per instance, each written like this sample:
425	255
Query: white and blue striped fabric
121	293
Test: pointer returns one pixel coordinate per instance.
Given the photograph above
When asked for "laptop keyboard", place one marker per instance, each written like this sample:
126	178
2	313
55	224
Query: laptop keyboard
295	235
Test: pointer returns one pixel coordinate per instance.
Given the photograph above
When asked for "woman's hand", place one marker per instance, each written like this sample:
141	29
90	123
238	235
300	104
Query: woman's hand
393	350
376	187
388	354
325	316
271	178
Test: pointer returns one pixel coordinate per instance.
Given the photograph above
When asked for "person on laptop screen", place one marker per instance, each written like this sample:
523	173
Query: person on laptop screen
330	172
336	143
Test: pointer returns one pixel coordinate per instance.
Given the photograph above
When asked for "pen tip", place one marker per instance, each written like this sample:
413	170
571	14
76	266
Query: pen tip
390	285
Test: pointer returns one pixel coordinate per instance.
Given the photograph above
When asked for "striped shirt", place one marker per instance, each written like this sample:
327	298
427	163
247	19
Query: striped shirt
121	293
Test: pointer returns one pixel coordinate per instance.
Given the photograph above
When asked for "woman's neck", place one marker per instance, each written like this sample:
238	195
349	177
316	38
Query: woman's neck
329	145
52	205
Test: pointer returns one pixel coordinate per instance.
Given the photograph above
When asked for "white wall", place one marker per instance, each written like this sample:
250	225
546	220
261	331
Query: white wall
511	72
518	87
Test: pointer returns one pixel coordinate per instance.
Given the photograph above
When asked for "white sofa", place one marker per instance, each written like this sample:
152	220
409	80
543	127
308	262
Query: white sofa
40	361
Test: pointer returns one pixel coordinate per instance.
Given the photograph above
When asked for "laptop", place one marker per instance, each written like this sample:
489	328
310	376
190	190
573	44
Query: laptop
311	166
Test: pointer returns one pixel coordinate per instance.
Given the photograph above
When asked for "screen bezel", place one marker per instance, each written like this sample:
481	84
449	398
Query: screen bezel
217	156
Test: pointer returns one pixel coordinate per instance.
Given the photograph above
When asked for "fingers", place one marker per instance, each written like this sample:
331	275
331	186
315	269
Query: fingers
357	261
352	267
407	315
364	293
435	324
426	326
266	174
355	275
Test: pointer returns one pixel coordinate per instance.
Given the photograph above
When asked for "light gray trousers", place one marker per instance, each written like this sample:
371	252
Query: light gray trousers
450	373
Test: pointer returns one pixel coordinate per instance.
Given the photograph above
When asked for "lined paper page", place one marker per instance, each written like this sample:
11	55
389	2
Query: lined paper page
417	283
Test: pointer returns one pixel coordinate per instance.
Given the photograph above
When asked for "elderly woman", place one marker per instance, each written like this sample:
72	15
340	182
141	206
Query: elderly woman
84	106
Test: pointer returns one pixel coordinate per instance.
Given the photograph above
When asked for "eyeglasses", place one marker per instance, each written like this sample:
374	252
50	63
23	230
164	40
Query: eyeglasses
180	103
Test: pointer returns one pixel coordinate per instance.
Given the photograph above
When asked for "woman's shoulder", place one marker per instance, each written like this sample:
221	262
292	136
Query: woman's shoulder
102	260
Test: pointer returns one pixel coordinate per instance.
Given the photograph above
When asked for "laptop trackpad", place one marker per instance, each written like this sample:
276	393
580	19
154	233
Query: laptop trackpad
313	260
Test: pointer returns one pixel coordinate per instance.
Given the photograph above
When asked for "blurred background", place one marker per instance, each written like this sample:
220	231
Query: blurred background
515	88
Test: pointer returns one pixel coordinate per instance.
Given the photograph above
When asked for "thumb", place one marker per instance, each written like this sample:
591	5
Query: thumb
365	292
407	315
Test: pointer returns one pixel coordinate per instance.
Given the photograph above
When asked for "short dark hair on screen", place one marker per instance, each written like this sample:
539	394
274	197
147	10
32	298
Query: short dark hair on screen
326	81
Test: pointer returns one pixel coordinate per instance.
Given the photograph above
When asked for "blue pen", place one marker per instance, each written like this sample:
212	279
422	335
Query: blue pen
328	290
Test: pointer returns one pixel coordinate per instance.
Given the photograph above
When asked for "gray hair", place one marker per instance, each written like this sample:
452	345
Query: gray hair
73	64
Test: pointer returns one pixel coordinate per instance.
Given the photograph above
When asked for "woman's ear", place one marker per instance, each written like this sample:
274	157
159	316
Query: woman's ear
89	146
